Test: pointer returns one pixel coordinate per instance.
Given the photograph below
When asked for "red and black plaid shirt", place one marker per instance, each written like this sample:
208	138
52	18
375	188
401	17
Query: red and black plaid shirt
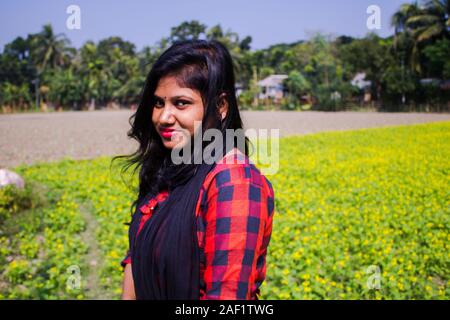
234	226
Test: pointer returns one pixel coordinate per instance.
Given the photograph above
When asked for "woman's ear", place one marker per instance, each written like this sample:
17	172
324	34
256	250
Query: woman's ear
223	106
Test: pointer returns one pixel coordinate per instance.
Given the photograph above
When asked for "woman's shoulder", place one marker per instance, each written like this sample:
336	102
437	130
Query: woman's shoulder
237	184
236	167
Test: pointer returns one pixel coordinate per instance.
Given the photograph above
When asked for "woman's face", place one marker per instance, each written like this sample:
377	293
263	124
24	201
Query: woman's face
175	110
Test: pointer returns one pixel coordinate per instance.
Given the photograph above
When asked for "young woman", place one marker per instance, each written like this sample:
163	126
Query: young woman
200	230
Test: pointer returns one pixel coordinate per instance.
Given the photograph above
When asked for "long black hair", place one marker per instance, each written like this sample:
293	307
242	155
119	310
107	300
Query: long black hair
202	65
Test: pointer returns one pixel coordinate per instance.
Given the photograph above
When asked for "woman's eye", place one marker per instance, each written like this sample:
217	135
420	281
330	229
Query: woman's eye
182	103
159	103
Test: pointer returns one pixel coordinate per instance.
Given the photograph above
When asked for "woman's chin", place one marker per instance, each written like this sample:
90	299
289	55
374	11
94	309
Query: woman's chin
169	144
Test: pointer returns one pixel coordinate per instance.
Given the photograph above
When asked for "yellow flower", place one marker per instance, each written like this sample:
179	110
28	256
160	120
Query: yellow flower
306	276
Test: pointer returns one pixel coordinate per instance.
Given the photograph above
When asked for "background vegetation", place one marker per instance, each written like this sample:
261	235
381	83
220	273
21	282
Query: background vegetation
408	71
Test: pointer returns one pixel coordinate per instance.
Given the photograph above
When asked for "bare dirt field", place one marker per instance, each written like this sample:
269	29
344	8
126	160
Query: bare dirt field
34	137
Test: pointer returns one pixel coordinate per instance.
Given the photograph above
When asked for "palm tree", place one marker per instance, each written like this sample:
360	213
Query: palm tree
400	18
49	49
432	21
404	41
95	74
416	24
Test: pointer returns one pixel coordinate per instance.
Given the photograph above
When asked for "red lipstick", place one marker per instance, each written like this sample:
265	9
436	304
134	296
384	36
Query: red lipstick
167	133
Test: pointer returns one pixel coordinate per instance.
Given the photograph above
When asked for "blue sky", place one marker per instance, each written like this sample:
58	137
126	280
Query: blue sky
145	22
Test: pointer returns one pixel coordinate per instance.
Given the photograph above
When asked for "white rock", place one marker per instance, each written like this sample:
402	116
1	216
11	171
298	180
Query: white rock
8	177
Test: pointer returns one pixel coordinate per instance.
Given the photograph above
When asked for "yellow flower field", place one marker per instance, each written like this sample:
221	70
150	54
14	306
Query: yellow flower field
359	215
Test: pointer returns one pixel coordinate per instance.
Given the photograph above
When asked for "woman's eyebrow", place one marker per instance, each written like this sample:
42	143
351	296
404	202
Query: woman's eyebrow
174	97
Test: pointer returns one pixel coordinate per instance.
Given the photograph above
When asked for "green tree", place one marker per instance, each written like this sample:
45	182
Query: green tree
95	75
416	25
14	97
438	55
297	86
187	30
49	49
404	41
366	55
431	21
64	88
399	84
15	64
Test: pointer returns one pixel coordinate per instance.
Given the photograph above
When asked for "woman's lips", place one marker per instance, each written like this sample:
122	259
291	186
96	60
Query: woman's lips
167	133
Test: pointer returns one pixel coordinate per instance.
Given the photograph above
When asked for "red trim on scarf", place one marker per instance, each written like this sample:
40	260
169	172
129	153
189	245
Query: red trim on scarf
148	208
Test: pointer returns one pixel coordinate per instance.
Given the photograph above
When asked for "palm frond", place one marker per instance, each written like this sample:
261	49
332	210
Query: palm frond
423	19
430	32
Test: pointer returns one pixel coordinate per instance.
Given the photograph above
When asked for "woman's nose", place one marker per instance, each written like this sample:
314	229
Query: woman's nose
167	116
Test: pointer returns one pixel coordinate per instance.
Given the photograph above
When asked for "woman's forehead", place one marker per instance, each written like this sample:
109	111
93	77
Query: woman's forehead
168	87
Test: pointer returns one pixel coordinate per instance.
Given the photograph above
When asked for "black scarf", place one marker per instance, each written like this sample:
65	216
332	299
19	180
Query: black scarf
165	255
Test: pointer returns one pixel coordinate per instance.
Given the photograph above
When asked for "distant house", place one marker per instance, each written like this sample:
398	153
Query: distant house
430	82
272	87
364	85
437	83
360	81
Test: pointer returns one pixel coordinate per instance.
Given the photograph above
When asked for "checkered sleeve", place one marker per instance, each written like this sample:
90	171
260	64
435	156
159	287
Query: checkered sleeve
235	224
